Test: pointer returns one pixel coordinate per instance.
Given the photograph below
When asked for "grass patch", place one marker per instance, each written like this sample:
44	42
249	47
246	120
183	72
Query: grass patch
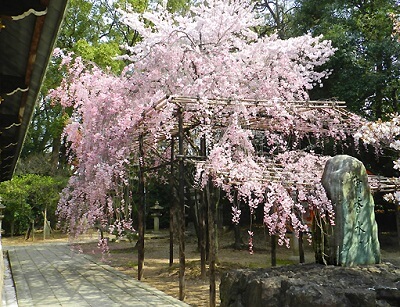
285	262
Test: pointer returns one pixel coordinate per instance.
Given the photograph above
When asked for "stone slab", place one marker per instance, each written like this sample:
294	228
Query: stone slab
54	275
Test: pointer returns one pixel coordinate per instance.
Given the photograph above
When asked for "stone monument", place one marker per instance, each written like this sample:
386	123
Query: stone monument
353	240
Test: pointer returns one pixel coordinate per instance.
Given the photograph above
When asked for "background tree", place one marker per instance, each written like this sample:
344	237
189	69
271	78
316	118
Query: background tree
277	15
366	67
28	199
17	212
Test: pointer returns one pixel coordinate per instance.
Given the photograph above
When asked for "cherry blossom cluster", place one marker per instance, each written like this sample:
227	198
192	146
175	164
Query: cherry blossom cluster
381	134
285	185
396	24
212	52
99	130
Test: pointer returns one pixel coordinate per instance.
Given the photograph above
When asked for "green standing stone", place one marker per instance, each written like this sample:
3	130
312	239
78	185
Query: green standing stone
353	240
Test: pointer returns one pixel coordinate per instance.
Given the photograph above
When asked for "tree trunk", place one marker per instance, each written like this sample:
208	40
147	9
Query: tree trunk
238	238
28	232
55	154
398	222
12	228
141	212
239	244
202	219
195	213
273	250
216	228
44	223
379	89
171	235
203	235
301	248
172	208
181	211
212	254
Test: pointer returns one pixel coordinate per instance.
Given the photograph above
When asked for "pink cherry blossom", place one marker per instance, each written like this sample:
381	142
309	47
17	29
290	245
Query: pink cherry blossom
253	139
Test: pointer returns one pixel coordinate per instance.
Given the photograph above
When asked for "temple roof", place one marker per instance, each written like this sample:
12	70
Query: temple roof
28	31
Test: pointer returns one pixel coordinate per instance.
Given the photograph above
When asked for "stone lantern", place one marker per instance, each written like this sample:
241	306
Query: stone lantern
155	213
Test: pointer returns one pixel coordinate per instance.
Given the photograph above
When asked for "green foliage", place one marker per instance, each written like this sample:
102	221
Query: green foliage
26	198
366	68
179	6
76	24
92	30
103	54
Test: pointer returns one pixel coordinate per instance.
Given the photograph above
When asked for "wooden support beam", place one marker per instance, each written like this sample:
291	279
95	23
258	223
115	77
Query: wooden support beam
141	211
181	211
172	208
202	220
212	252
273	250
39	24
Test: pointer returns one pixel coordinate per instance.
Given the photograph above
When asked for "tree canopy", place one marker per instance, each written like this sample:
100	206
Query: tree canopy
365	68
205	53
27	197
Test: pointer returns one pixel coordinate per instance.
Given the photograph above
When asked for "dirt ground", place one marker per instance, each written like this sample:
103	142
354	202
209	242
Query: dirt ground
157	272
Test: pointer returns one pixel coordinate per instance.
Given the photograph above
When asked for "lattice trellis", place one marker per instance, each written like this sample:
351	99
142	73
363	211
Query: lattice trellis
325	114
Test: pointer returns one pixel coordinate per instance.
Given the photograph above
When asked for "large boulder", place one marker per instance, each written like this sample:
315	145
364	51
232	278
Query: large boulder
353	240
312	285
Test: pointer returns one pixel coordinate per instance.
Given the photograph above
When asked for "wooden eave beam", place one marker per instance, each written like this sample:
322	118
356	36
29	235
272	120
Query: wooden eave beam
31	60
18	9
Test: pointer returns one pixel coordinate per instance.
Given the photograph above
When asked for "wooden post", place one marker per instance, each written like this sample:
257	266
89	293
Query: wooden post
141	211
202	219
398	221
236	227
172	206
181	211
273	250
301	248
212	253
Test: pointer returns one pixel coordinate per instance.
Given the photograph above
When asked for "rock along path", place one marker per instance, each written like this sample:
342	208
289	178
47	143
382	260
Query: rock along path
55	275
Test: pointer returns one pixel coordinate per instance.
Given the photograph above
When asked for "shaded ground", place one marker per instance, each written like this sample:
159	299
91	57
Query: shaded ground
157	272
123	256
